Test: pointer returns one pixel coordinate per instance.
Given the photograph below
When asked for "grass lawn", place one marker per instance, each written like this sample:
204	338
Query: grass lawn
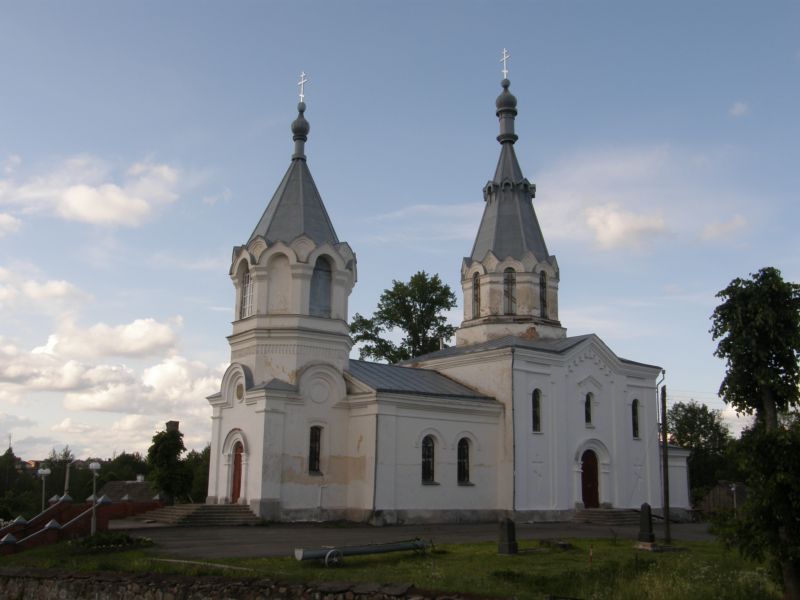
617	570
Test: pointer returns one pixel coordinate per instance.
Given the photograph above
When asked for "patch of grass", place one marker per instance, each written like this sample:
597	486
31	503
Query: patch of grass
616	571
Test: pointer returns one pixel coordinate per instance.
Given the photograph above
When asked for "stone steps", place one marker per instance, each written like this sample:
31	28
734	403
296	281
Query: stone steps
610	517
203	515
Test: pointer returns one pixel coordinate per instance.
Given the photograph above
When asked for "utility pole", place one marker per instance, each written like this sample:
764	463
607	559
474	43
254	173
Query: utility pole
665	464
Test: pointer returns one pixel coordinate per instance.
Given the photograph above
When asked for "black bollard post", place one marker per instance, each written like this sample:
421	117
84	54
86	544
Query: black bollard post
508	537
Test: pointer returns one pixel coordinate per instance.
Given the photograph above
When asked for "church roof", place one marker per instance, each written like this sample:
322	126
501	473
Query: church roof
550	345
509	226
408	380
296	207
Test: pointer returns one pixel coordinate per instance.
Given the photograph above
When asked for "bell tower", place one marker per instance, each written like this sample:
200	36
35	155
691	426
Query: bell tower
510	281
292	280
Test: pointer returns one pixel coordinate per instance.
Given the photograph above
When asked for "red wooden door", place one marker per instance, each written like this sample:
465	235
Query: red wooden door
236	483
591	496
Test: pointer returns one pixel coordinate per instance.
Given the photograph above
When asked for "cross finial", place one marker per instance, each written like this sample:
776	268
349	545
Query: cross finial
504	60
302	83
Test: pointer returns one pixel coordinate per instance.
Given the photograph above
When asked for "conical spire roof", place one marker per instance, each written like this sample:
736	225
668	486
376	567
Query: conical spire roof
296	207
509	226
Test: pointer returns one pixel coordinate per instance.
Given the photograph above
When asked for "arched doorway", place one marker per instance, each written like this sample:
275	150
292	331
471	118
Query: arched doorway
589	487
236	480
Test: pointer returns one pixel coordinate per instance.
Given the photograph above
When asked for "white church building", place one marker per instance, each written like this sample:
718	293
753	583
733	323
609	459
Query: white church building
516	419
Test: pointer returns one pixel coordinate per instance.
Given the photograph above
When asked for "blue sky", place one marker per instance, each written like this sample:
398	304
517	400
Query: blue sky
139	142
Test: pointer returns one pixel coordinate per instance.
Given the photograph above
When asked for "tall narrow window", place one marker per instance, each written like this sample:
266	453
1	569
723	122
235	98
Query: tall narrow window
463	461
246	303
510	291
314	447
427	459
476	296
543	293
635	418
587	409
320	301
536	411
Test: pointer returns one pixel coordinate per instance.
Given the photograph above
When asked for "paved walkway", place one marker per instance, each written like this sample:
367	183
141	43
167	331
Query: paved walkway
282	539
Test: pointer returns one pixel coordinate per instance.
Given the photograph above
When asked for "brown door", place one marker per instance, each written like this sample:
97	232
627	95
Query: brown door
591	497
236	483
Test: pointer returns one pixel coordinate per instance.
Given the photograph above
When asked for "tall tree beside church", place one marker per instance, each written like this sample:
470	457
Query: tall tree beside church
416	309
702	431
168	472
758	328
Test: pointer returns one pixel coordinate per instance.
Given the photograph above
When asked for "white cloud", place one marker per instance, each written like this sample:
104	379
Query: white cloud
719	229
142	337
738	109
18	290
11	163
70	426
8	224
83	189
614	227
9	422
736	423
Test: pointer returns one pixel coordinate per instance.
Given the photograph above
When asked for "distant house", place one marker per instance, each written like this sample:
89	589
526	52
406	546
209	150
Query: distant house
139	490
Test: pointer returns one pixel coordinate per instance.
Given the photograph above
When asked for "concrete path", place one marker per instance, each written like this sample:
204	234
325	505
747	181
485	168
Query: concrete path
282	539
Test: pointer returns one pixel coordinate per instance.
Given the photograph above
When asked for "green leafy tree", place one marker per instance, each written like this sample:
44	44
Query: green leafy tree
19	493
198	464
416	308
702	431
758	328
168	472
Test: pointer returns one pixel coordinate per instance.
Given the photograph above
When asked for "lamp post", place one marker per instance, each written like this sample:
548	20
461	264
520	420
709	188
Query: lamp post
94	467
43	473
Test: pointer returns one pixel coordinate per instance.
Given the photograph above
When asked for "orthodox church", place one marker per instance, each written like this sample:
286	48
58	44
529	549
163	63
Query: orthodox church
516	419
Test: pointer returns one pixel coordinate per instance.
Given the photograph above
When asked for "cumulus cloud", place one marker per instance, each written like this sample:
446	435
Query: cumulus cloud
720	229
738	109
8	224
174	383
70	426
632	197
18	289
85	189
614	226
141	337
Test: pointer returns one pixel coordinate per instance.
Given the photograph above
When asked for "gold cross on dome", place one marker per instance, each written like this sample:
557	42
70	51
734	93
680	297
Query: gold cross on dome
504	60
302	83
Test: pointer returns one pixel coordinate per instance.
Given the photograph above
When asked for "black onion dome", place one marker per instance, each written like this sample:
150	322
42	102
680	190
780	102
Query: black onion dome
506	100
300	126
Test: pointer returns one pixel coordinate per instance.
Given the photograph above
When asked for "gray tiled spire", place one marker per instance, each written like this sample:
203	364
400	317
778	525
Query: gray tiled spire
296	208
509	226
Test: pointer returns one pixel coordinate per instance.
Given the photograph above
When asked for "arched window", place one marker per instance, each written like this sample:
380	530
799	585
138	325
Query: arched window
635	418
536	411
246	288
320	301
476	296
463	461
510	291
587	409
427	459
314	450
543	293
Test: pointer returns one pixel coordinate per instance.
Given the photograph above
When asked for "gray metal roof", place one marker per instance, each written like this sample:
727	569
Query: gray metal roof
275	385
552	346
509	226
408	380
296	208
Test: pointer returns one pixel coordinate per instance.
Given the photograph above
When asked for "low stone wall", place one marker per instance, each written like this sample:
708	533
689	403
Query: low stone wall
22	583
